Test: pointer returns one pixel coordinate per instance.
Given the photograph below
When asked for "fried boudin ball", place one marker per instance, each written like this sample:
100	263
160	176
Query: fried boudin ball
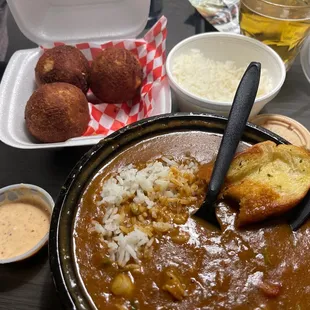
66	64
57	112
116	75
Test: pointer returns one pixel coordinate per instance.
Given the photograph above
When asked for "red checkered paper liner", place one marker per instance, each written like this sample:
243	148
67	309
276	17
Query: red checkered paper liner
151	52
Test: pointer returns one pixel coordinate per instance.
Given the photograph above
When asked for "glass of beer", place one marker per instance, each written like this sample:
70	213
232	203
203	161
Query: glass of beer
281	24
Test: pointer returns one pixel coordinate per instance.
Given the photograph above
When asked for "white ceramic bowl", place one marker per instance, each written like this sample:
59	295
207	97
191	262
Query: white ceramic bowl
222	47
17	192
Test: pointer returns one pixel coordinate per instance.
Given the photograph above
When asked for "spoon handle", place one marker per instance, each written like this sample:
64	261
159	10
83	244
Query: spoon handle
238	116
301	214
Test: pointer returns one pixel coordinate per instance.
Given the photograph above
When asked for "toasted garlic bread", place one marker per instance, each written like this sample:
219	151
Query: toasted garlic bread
266	179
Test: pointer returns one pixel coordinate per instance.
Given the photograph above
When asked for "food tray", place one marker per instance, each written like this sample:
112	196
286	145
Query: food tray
18	84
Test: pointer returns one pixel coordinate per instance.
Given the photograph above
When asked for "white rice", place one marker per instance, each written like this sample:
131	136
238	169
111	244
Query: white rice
211	79
129	182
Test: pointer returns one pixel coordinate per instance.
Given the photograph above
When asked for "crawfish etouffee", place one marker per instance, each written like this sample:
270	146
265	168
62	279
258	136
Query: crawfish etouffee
139	246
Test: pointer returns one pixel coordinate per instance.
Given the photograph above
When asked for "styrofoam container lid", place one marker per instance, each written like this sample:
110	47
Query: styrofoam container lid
285	127
45	22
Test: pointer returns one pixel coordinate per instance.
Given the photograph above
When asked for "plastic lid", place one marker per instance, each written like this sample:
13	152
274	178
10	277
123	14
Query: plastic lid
75	21
285	127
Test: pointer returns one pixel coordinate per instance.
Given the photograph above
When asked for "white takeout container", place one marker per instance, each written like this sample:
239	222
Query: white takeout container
71	22
223	47
16	193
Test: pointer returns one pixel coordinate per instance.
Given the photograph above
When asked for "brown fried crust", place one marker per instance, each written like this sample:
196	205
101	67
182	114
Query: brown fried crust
57	112
116	75
66	64
266	180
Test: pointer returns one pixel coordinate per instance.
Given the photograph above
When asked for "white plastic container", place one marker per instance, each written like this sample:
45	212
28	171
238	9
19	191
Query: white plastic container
18	193
222	47
71	22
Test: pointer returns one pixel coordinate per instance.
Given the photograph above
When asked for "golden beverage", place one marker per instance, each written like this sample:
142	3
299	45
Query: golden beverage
281	24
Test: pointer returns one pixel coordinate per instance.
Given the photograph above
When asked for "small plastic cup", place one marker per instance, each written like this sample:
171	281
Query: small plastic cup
20	193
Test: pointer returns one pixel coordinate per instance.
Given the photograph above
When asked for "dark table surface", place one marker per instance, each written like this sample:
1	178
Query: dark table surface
28	284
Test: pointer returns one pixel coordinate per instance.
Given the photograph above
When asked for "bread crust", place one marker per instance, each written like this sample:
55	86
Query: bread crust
266	180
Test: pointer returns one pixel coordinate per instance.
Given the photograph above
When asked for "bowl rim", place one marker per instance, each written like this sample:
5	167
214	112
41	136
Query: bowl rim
57	269
223	104
44	239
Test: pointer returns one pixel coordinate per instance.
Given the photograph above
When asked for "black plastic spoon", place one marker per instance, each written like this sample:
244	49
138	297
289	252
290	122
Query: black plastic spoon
301	214
238	116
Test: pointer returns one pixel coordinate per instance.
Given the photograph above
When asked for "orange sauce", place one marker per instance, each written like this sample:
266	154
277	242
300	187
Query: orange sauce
22	226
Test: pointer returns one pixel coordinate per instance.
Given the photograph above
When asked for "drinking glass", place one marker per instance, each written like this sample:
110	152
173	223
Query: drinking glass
281	24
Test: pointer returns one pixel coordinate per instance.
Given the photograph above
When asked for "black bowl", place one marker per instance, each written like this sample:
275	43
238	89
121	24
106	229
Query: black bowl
66	278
